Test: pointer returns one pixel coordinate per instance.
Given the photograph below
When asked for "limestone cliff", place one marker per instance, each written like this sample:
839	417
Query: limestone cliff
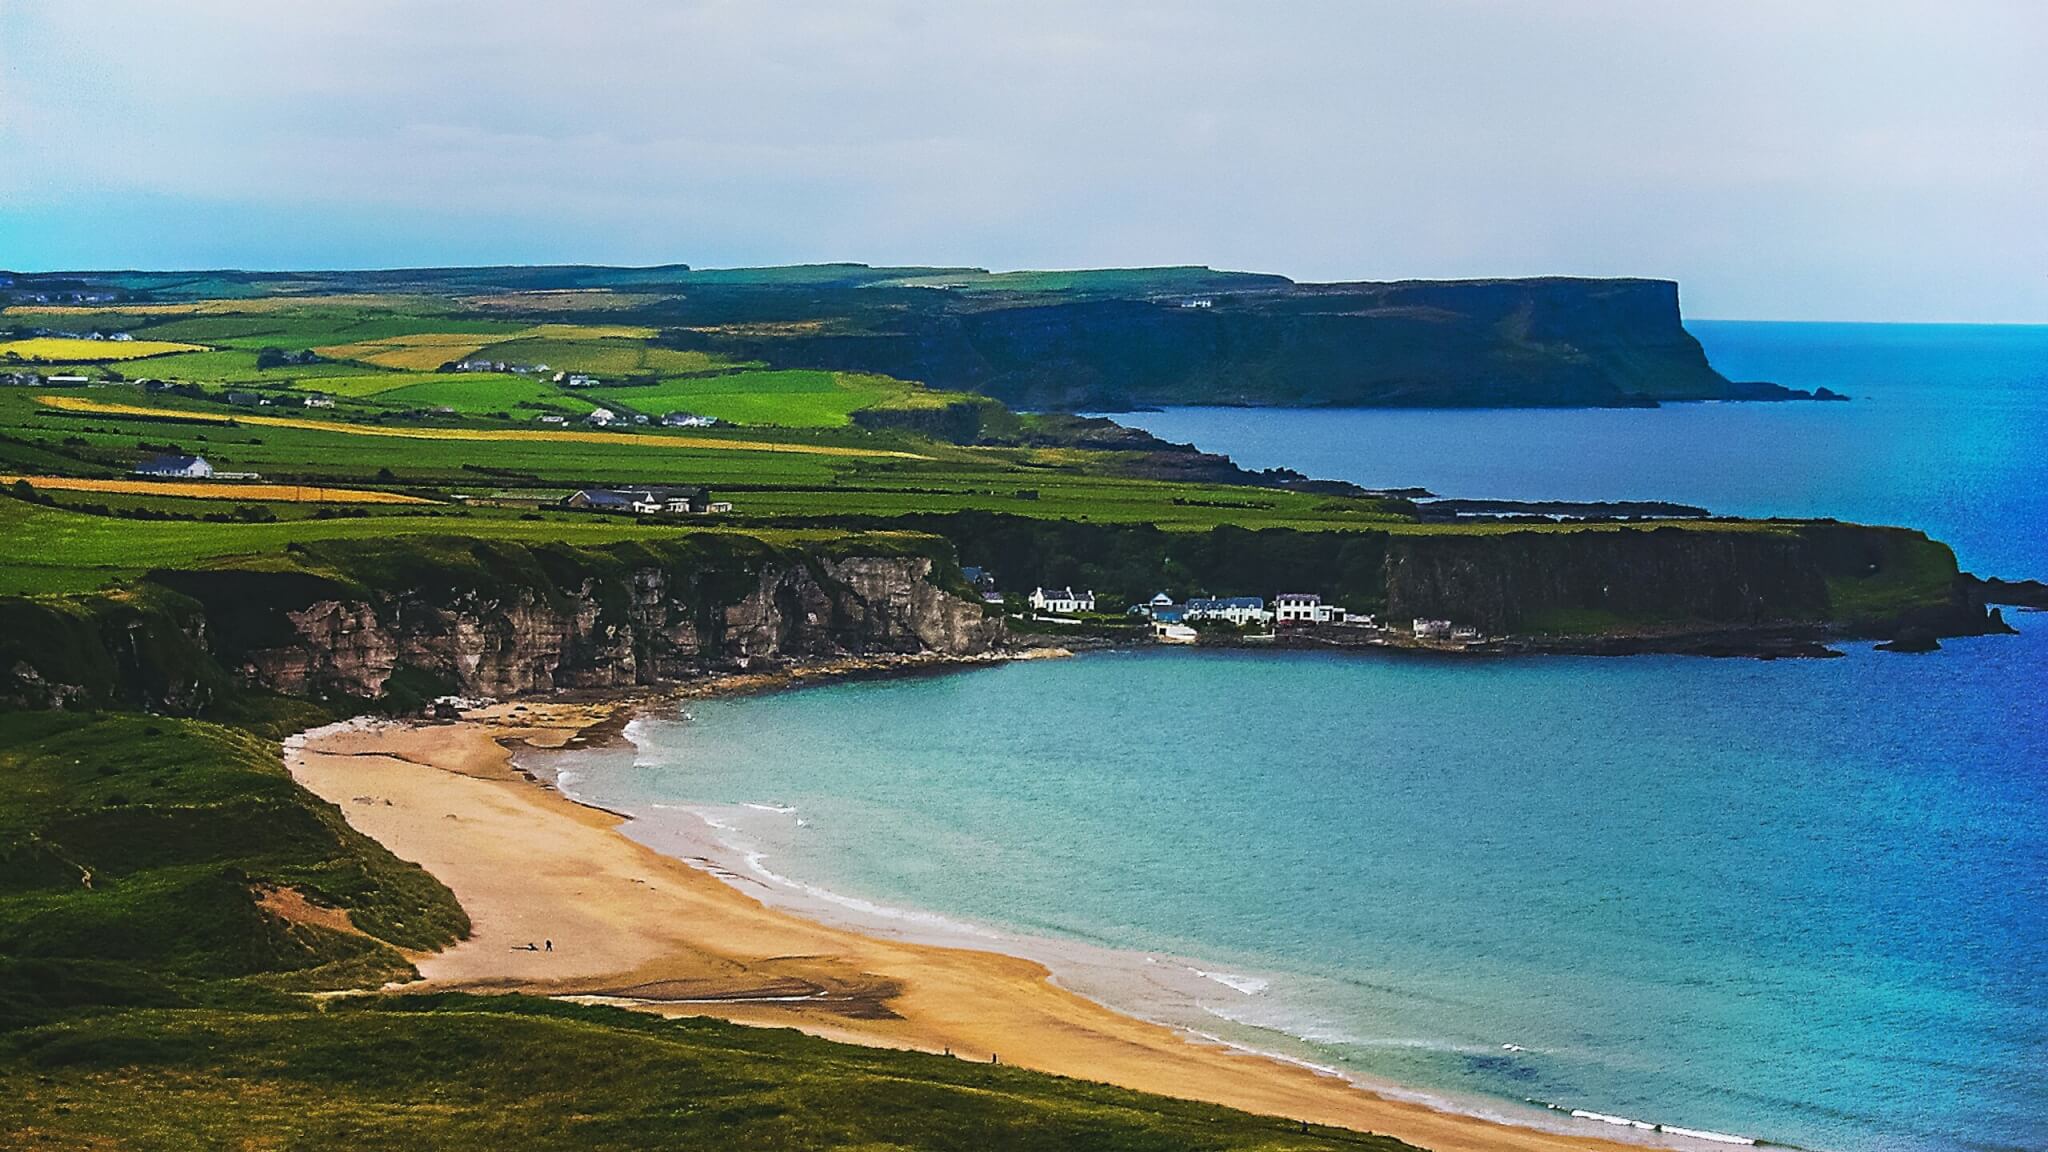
522	640
363	621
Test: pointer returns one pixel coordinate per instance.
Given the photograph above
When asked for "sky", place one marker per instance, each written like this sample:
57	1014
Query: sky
1874	160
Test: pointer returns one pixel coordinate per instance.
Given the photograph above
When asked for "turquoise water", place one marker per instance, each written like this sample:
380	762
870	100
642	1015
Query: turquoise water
1947	432
1801	900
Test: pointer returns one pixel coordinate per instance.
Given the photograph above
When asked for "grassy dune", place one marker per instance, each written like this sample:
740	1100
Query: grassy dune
494	1073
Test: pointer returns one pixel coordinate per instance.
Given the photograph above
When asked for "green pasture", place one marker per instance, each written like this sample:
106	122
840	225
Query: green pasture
602	356
790	399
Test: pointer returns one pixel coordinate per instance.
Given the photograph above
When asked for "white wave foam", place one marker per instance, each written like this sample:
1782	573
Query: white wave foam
1701	1134
1282	1057
1619	1121
756	863
1665	1129
778	809
1249	985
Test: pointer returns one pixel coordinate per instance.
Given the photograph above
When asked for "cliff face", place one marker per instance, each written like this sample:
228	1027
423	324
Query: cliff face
1537	342
404	619
519	641
364	621
1524	580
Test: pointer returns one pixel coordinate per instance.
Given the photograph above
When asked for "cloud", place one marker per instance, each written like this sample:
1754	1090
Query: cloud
1873	160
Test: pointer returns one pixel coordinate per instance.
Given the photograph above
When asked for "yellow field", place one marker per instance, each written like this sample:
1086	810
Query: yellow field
81	404
422	352
426	351
62	349
222	490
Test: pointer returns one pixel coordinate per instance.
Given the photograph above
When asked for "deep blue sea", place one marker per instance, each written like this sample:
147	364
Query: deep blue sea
1947	431
1805	901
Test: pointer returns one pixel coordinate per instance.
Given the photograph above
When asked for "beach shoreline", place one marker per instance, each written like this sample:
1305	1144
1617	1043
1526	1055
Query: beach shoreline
565	903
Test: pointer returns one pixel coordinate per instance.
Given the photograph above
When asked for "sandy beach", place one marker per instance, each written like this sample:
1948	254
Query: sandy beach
615	920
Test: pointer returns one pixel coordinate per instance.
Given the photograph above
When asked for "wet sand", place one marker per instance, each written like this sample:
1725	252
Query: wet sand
630	925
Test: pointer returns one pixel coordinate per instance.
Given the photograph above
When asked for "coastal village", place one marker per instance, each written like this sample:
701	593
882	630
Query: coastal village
1237	619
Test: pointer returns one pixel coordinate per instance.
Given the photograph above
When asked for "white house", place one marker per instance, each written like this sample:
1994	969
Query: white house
1237	610
1305	608
601	416
319	401
176	467
1061	600
1432	629
551	418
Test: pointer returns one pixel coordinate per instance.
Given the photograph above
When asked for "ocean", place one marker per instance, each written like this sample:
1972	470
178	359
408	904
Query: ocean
1946	431
1803	900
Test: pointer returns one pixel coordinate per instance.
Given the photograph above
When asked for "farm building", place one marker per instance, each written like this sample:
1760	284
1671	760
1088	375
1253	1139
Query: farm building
688	420
176	467
646	501
600	417
318	401
1062	600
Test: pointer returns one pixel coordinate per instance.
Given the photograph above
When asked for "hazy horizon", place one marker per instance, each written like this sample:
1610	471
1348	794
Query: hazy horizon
1844	162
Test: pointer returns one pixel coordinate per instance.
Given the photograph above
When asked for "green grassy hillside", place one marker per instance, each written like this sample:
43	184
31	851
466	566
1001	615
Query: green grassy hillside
509	1072
135	851
149	999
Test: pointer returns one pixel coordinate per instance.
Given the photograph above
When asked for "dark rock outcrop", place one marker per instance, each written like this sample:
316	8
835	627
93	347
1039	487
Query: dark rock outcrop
1912	639
2017	593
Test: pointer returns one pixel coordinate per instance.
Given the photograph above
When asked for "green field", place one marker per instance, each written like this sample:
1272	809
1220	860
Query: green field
608	356
387	352
792	399
481	394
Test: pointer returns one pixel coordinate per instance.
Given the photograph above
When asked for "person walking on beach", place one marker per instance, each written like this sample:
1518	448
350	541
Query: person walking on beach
551	945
